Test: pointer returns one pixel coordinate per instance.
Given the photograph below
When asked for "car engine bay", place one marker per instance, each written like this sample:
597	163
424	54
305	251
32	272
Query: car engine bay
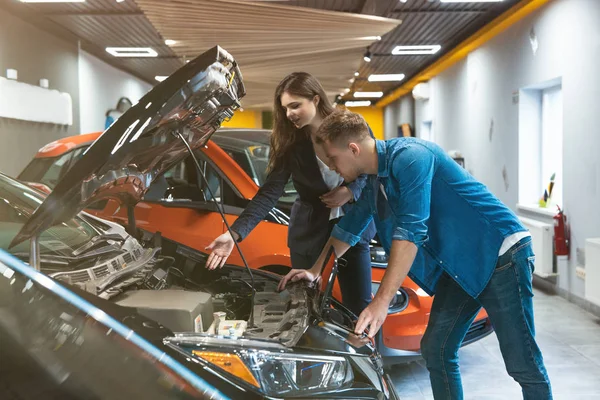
192	299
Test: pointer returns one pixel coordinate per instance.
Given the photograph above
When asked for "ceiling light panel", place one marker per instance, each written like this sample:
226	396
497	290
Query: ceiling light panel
416	50
131	51
367	94
360	103
386	77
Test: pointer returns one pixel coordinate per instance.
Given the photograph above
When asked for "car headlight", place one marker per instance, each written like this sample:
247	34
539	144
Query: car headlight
277	374
398	303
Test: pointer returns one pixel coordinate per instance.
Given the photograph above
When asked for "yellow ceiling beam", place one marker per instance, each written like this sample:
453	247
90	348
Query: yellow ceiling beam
491	30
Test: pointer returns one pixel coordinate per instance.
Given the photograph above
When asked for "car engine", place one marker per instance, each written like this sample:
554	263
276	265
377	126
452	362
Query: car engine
170	285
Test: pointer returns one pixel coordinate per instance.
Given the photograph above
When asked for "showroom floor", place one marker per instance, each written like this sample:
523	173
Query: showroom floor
570	341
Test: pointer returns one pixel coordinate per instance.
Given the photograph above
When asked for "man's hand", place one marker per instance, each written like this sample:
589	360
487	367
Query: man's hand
373	317
337	197
221	249
296	275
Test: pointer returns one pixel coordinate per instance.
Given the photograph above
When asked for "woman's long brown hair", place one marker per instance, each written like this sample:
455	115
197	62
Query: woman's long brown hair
285	134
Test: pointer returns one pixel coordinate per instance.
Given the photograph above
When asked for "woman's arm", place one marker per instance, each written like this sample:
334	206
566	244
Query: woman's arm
255	211
263	202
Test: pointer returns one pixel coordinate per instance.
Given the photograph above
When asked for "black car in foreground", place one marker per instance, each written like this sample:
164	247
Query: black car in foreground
104	291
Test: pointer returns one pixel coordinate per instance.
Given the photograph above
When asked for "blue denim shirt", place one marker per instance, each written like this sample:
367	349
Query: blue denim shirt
422	195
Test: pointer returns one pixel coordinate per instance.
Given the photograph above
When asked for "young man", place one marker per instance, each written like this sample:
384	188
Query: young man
452	236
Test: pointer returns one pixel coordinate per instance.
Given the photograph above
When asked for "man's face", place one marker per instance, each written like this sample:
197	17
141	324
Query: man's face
343	158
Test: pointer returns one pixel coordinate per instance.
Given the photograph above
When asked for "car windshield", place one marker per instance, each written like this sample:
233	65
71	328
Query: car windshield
17	203
259	159
70	349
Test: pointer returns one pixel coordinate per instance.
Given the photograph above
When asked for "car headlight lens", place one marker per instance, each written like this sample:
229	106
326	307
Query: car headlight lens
398	303
277	374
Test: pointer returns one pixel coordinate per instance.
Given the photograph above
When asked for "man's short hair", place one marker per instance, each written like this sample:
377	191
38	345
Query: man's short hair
341	127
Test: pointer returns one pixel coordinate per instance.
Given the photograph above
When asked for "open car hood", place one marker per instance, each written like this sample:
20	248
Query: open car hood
142	143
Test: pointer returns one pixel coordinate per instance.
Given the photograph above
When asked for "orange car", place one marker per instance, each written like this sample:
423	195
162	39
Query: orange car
180	206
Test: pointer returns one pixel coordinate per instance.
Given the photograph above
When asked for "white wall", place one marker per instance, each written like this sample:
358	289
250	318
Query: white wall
35	54
100	87
478	93
402	111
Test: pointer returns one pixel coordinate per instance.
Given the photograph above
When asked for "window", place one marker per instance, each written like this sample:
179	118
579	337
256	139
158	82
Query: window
47	170
427	131
50	170
541	146
551	142
17	204
182	183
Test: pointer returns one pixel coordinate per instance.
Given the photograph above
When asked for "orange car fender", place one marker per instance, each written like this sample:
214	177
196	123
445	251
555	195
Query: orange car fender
271	259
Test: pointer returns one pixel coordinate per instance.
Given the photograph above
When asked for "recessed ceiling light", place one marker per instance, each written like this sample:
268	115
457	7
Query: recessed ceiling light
385	77
471	1
416	50
52	1
170	42
132	51
346	90
356	73
363	103
160	78
367	94
367	56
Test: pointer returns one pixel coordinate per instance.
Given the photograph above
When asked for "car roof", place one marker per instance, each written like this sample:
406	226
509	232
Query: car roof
237	138
64	145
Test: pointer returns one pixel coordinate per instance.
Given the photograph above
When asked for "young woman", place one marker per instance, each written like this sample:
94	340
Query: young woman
323	197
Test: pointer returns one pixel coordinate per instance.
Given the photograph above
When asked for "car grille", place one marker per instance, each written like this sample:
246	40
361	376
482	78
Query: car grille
478	330
477	326
101	271
127	257
80	276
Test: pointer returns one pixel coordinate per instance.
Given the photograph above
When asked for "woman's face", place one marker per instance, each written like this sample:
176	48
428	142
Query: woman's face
299	110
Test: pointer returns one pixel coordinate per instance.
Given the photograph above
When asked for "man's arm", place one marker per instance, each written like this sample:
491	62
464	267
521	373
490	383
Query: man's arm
344	235
402	255
412	172
263	202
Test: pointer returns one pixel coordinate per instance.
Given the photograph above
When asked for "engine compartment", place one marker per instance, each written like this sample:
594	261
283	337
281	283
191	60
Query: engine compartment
168	282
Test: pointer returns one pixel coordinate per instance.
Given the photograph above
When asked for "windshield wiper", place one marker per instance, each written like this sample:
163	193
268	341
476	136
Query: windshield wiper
101	244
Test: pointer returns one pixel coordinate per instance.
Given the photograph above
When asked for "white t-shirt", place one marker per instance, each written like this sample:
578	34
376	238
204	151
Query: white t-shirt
511	241
332	179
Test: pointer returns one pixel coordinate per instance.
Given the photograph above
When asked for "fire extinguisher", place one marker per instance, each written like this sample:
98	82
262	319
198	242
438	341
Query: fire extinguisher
561	234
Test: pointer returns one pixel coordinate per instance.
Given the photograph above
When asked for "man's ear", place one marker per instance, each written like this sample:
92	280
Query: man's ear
354	148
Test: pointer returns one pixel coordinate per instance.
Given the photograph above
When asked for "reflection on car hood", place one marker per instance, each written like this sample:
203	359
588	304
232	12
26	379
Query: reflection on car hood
142	143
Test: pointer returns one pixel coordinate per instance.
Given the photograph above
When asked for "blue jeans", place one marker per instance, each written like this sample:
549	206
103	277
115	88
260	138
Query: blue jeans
508	300
354	276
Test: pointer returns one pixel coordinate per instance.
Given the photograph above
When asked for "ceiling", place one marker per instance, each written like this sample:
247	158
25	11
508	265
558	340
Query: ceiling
270	39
